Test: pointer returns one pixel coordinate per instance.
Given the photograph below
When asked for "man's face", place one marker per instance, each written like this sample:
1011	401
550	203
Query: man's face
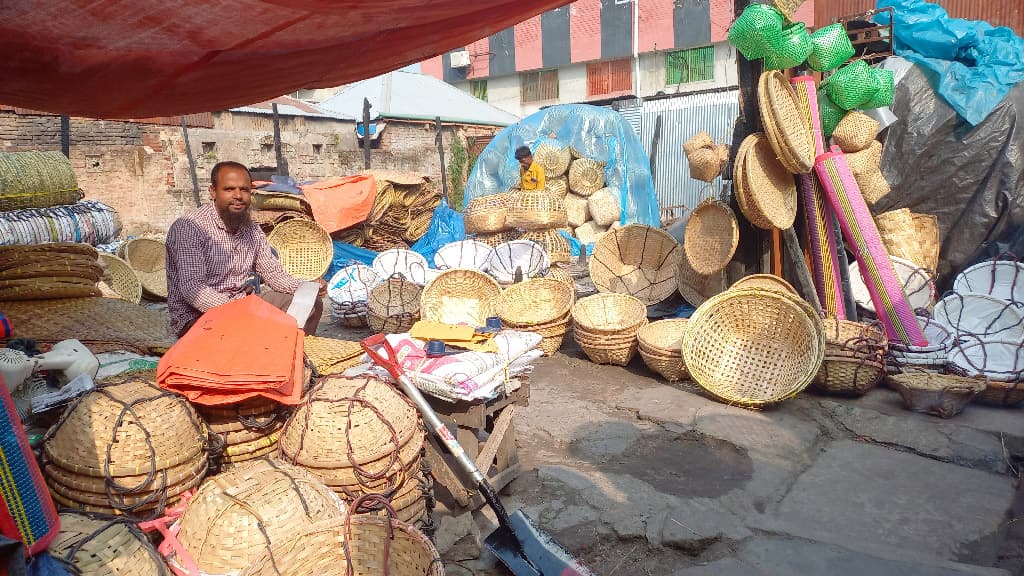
526	161
232	194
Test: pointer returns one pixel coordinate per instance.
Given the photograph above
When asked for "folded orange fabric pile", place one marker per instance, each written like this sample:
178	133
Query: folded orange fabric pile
243	349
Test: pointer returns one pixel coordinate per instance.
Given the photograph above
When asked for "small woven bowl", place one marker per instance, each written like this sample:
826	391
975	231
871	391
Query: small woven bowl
609	313
942	395
536	301
664	336
845	376
304	248
459	296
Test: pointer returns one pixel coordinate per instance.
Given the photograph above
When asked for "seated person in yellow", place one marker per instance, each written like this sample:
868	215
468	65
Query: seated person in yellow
532	174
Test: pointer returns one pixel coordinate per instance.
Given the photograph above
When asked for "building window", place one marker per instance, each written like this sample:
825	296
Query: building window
478	88
318	150
693	65
209	147
538	86
267	148
609	78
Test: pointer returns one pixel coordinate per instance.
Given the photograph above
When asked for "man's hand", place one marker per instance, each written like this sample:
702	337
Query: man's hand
323	287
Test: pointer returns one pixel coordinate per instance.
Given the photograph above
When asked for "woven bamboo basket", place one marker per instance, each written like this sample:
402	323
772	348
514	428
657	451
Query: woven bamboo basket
696	288
700	140
536	210
554	157
586	176
120	277
100	546
603	348
999	393
900	235
866	161
765	282
789	135
705	164
496	239
942	395
463	254
604	207
741	188
486	214
562	275
537	301
854	339
304	248
711	237
577	210
552	242
235	518
557	187
36	180
927	226
855	132
279	201
552	333
846	376
460	296
873	186
148	257
637	260
393	305
609	314
769	188
660	345
360	546
774	348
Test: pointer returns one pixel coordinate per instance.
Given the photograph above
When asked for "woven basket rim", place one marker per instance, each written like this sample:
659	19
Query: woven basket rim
731	236
476	298
658	282
638	314
765	281
531	292
288	236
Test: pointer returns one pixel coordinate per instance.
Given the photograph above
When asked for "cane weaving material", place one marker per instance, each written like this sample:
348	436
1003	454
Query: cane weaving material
101	546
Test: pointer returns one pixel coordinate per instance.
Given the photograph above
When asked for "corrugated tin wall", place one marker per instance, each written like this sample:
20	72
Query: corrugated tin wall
681	118
996	12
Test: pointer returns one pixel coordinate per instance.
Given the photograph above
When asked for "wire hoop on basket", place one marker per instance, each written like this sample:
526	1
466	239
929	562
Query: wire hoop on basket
637	260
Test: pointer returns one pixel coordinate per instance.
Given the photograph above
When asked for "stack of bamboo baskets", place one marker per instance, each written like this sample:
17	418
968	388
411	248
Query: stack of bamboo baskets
400	215
43	271
243	431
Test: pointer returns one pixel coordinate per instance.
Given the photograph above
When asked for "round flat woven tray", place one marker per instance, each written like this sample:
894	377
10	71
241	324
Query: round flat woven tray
753	347
637	260
125	429
121	278
303	247
102	546
769	188
346	422
536	301
711	237
459	296
788	133
586	176
148	257
234	518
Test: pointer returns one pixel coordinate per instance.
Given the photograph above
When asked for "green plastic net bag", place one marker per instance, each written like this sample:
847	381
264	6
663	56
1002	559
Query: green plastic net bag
756	29
790	49
829	112
832	47
886	88
852	86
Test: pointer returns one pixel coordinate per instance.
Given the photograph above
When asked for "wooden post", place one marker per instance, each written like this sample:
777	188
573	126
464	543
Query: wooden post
439	141
655	140
65	136
191	162
366	133
282	165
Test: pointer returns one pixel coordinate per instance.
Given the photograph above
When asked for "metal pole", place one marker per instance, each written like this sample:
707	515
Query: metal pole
65	136
439	141
655	140
191	162
366	133
636	48
282	166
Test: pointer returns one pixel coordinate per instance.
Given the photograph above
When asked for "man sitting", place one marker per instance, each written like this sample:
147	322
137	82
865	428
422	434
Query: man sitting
531	174
213	250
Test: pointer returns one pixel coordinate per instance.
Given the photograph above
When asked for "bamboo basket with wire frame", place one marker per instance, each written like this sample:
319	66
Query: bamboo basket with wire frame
853	339
775	348
554	244
942	395
103	546
304	248
554	157
232	521
526	256
460	296
148	257
586	176
463	254
536	301
359	545
660	346
769	188
711	237
393	305
788	133
848	375
536	210
487	214
637	260
121	278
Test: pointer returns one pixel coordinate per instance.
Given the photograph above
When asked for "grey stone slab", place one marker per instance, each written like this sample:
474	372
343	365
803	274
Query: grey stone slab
697	523
723	567
784	557
937	438
664	404
868	494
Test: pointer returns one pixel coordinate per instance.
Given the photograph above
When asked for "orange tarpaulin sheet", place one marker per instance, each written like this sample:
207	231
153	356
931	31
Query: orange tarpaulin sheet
237	351
121	59
341	201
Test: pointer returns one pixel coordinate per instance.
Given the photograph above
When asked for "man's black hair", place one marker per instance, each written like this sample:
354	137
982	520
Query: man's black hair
523	152
226	164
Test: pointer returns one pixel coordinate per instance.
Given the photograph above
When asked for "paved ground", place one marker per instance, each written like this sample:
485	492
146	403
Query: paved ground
639	477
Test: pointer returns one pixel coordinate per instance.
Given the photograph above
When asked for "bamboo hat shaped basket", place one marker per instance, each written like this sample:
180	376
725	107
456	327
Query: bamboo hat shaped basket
460	296
119	276
304	248
237	516
148	257
99	545
637	260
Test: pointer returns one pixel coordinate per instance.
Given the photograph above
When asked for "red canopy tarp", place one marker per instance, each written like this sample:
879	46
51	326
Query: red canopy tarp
143	58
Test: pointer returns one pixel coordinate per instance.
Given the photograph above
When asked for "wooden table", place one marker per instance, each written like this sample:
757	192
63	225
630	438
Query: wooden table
496	456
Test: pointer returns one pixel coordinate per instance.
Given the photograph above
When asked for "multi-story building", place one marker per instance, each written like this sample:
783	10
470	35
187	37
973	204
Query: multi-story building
598	49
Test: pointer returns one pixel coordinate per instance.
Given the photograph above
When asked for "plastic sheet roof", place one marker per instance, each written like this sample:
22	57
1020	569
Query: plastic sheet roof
414	96
141	58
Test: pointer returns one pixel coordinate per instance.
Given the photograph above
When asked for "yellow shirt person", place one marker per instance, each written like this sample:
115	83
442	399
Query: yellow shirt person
531	174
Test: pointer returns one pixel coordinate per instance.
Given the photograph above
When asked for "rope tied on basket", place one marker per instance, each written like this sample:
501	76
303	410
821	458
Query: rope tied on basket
110	521
390	514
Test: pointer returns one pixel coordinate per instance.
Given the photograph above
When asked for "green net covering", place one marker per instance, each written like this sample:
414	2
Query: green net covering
852	86
756	30
790	49
832	47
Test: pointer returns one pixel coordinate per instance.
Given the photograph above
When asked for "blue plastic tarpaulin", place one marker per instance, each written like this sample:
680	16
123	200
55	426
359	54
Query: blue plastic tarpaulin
972	64
598	133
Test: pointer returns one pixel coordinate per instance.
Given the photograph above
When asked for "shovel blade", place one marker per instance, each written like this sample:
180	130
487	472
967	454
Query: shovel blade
526	550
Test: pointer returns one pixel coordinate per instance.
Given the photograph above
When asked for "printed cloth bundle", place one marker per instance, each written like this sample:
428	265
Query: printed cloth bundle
467	375
88	221
240	350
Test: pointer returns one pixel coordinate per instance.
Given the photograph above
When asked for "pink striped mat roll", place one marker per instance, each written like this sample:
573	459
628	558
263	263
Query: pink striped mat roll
863	240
